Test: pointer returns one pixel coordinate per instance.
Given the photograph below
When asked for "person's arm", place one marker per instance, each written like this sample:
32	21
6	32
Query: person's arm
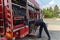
35	28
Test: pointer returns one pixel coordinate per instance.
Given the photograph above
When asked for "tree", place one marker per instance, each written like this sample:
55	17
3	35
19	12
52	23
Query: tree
48	13
50	9
56	9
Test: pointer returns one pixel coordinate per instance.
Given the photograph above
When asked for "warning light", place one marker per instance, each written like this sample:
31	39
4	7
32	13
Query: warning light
8	35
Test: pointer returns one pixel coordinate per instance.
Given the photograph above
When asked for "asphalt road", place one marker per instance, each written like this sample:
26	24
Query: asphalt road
54	28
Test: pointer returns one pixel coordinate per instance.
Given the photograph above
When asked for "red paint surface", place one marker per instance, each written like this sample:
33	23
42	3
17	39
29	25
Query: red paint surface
0	1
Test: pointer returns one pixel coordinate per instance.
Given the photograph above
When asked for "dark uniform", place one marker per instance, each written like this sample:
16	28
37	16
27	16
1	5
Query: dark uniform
42	25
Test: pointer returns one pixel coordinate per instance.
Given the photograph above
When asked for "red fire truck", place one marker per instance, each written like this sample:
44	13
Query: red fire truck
17	17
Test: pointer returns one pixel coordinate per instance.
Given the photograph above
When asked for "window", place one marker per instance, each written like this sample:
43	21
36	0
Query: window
17	22
19	2
18	11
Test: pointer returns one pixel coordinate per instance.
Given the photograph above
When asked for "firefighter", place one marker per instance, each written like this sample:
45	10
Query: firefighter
42	25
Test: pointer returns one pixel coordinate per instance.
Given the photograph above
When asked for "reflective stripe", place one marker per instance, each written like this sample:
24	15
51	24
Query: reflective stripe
0	4
8	19
5	2
9	24
8	14
27	26
18	29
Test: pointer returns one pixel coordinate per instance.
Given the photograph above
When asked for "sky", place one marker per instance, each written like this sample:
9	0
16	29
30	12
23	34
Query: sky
48	3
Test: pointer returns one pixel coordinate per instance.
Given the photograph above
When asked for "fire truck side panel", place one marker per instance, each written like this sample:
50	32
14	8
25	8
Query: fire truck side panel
8	18
19	28
1	19
17	17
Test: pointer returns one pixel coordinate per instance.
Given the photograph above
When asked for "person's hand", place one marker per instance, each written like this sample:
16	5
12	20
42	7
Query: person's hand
35	28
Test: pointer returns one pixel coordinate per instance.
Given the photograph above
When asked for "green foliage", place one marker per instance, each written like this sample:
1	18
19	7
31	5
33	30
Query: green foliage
56	9
47	13
50	13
